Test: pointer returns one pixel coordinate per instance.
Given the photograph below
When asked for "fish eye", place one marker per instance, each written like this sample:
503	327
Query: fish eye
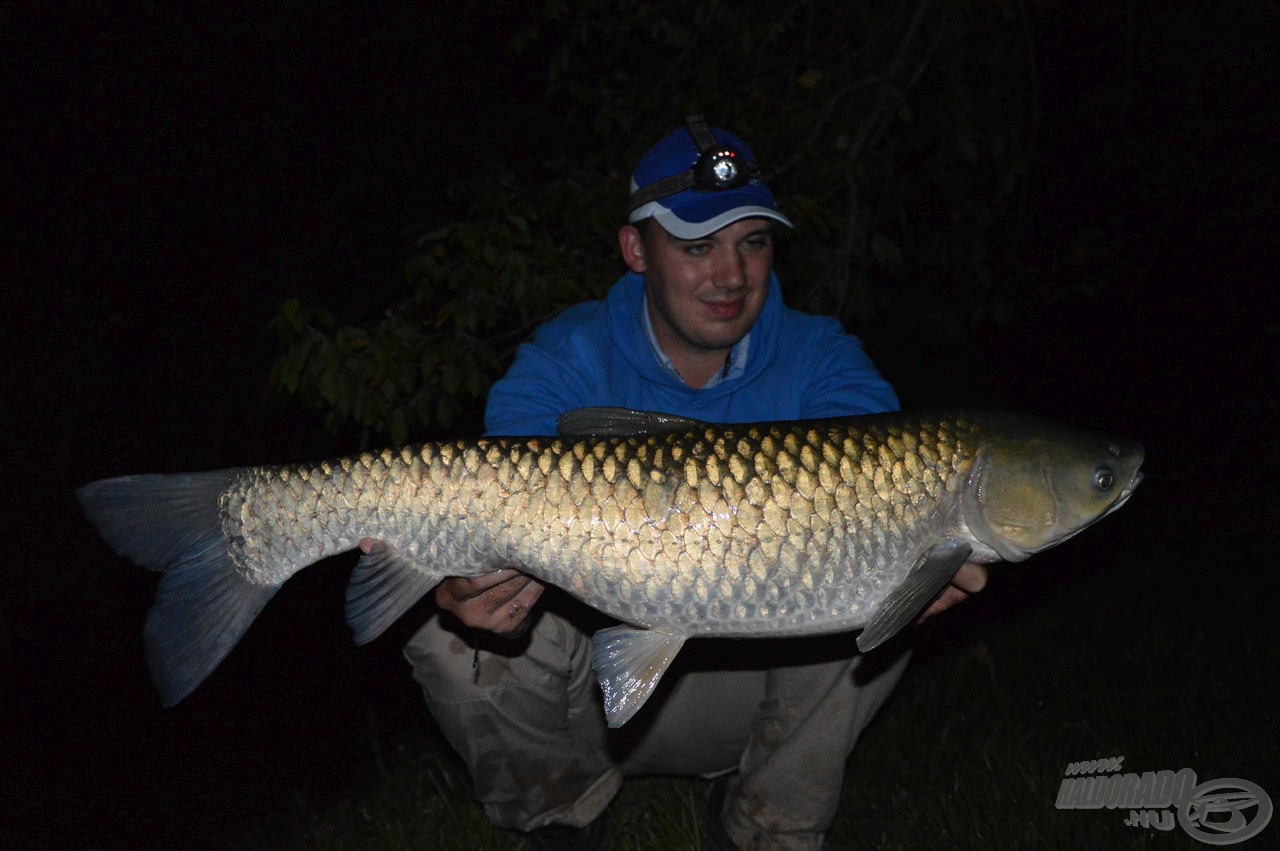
1104	478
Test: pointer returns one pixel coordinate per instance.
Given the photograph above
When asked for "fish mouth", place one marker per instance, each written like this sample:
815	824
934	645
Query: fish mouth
1133	484
1129	488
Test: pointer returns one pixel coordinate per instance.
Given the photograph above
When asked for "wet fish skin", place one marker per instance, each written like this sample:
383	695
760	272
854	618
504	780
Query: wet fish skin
683	529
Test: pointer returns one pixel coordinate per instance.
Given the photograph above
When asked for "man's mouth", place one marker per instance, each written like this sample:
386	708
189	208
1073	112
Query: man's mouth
725	309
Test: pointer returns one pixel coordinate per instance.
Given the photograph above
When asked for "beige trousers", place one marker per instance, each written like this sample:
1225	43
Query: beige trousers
526	717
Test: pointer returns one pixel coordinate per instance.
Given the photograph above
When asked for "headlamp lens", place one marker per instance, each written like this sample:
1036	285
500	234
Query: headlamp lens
719	169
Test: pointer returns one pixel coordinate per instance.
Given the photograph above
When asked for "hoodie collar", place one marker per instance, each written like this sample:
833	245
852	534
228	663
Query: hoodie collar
632	333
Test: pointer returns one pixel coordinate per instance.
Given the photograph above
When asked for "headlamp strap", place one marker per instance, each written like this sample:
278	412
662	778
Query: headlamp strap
701	133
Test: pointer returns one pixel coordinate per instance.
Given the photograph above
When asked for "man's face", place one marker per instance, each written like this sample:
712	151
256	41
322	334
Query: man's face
704	294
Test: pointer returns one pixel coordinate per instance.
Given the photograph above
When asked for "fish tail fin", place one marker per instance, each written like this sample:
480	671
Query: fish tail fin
173	524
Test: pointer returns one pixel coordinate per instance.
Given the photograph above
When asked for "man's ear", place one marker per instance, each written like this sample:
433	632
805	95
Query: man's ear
632	245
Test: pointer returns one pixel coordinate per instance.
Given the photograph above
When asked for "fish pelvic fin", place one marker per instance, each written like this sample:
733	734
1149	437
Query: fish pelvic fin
629	662
384	585
927	578
203	605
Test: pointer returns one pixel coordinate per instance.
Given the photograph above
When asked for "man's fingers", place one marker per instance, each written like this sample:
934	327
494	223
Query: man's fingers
512	617
498	602
474	586
970	577
503	609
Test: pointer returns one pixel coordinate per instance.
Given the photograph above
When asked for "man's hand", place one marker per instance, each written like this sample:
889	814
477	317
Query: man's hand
969	579
498	602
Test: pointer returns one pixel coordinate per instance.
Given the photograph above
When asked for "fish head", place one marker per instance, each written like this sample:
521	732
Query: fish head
1035	484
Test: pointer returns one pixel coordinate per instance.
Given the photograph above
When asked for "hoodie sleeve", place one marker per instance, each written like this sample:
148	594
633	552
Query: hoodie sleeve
844	381
545	380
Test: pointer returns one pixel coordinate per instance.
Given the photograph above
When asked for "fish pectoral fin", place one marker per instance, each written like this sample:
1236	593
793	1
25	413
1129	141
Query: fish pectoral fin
629	662
929	576
604	421
384	585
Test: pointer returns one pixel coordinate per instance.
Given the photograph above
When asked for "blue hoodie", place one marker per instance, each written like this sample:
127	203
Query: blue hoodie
599	353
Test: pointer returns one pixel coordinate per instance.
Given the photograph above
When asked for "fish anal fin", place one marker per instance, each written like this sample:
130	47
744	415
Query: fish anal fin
929	576
384	585
629	662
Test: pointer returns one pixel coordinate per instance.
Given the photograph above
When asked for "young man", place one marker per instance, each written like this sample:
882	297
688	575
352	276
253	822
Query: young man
696	328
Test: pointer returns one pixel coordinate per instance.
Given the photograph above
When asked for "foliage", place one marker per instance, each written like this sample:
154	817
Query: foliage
897	134
476	289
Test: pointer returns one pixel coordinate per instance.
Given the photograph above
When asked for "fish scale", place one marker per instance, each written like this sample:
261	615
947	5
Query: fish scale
677	529
737	502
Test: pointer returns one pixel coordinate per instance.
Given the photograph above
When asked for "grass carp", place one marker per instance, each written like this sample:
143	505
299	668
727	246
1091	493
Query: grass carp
675	527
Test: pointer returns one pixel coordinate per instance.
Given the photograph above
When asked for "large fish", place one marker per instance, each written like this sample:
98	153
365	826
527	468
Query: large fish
675	527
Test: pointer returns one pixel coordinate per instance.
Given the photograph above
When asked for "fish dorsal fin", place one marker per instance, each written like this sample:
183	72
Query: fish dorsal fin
629	662
384	585
929	576
621	422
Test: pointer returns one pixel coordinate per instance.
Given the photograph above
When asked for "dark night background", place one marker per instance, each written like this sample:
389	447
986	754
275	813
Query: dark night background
174	178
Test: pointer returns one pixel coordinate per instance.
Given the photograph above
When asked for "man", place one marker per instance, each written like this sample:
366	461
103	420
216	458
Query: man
697	328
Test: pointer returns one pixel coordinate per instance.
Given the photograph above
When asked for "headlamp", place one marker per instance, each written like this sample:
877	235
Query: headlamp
719	167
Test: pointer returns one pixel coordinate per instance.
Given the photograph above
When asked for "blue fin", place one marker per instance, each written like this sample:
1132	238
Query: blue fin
203	605
629	662
383	587
929	576
621	422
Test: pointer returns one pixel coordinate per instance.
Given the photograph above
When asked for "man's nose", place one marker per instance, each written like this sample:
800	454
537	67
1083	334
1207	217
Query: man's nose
731	272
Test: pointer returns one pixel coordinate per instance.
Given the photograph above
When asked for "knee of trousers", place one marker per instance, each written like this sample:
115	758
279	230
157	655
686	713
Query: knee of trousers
526	720
454	664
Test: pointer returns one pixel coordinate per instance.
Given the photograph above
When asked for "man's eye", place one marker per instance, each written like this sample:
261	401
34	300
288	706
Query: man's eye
757	244
697	248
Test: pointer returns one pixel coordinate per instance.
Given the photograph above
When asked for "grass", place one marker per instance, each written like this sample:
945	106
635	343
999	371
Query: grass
423	801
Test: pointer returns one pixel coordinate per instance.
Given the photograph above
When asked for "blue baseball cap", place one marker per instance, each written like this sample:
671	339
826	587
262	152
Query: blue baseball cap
697	180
